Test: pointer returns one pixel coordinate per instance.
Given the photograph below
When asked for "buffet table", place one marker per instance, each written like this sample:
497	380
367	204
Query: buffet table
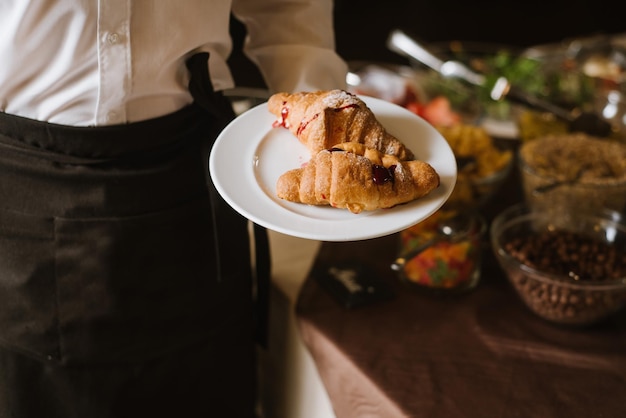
477	354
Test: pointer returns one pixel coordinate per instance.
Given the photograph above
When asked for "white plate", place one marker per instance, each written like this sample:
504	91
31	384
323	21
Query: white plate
249	156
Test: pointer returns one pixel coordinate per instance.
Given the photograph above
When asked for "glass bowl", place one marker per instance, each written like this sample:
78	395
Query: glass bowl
443	253
483	165
573	173
570	271
419	91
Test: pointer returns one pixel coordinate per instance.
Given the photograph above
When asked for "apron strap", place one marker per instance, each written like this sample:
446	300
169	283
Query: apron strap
204	96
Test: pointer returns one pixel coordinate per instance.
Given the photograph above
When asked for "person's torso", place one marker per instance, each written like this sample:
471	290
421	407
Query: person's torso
96	62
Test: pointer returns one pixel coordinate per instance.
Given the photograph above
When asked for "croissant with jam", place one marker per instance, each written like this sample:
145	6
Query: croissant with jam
326	118
352	176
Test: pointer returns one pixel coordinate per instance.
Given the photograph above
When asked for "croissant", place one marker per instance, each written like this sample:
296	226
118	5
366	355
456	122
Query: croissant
323	119
357	178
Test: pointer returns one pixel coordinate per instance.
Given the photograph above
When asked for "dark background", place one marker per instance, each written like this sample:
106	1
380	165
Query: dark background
361	29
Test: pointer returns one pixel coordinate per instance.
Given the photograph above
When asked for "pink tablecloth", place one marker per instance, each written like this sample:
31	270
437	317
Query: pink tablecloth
480	354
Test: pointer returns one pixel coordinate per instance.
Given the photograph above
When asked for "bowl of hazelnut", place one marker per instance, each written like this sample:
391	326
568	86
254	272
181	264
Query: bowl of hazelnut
569	270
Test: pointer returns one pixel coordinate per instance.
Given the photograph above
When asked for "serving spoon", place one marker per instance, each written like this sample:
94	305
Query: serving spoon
558	183
403	44
577	121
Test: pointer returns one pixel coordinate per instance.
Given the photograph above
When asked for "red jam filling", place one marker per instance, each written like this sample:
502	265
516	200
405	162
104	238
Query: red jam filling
284	113
382	175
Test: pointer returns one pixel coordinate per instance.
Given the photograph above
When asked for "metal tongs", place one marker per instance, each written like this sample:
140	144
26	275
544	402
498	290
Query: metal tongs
577	120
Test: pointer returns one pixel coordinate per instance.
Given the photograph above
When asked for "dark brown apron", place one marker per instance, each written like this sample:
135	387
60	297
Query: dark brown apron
115	298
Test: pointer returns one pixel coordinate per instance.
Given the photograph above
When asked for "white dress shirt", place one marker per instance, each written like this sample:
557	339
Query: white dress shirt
103	62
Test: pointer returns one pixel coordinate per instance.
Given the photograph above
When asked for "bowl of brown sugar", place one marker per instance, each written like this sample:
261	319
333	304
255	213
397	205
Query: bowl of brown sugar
573	173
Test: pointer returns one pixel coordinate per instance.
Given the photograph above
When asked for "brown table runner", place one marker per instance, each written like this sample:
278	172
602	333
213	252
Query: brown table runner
479	354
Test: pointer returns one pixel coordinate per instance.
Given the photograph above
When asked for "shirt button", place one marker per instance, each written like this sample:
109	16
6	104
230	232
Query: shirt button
113	38
112	117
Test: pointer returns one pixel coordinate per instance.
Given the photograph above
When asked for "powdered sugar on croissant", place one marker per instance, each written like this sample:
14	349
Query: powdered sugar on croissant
326	118
344	177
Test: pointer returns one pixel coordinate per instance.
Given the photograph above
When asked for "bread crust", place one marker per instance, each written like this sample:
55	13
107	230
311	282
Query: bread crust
323	119
357	178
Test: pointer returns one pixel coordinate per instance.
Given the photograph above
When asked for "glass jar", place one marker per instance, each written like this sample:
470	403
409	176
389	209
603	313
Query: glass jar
443	252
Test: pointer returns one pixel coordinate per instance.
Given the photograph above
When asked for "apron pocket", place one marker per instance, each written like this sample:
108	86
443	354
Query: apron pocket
28	316
133	288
